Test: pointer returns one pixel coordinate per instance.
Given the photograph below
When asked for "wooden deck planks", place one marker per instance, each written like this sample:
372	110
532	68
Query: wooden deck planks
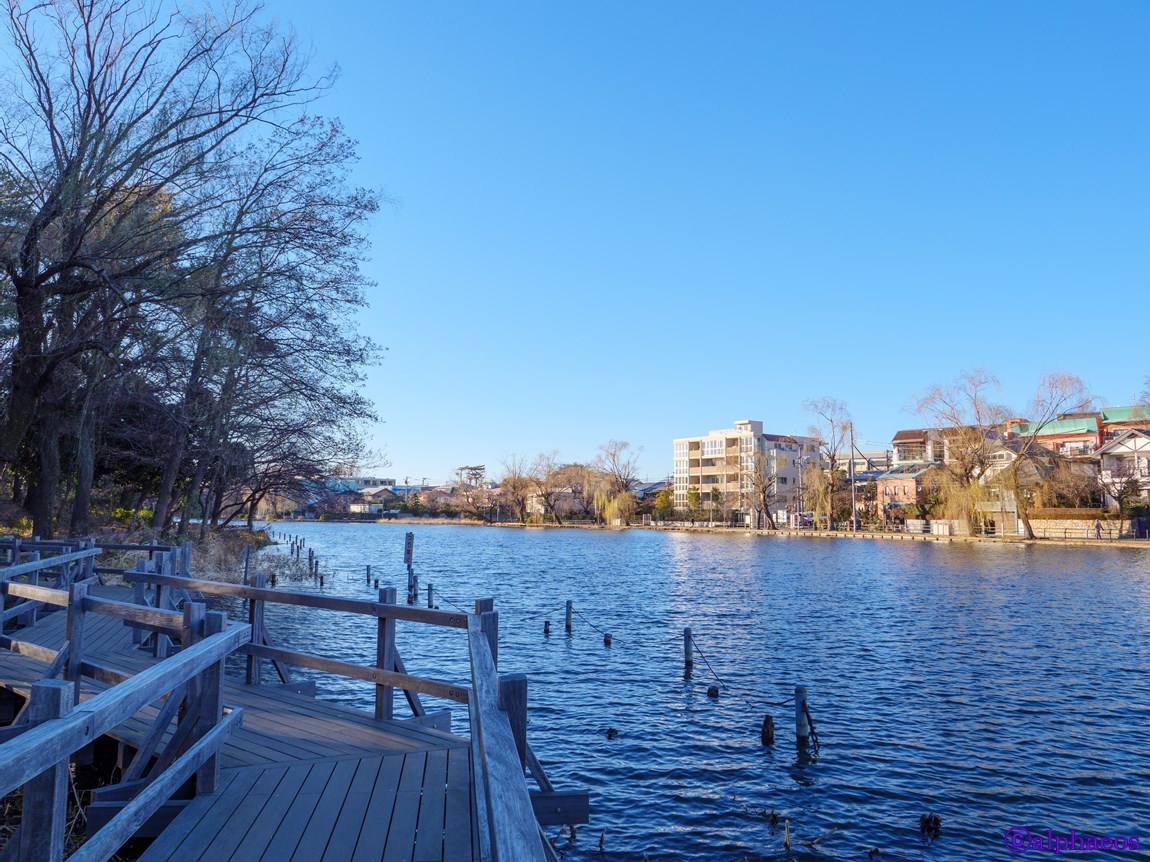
429	826
377	818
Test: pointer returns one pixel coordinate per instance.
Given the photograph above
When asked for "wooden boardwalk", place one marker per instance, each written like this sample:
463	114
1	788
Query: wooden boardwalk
301	778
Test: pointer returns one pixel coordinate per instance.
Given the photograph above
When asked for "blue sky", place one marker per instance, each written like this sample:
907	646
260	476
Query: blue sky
646	220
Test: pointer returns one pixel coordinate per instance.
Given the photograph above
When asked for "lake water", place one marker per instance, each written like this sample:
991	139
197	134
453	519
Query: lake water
996	686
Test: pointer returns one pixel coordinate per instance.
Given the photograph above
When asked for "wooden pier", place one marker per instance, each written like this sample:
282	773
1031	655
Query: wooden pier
216	766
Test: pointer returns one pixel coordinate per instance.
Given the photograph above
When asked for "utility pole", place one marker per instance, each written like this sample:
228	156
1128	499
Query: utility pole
854	501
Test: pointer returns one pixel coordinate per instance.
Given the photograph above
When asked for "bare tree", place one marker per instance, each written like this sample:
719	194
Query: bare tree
831	428
584	482
546	483
155	235
474	497
969	422
1057	393
619	463
764	488
515	486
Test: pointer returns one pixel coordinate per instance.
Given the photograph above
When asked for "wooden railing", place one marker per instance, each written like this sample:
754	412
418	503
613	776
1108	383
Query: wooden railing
53	724
509	816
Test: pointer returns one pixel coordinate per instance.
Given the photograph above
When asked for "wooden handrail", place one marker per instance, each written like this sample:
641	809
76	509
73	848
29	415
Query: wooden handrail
507	818
46	563
42	595
419	684
408	613
37	750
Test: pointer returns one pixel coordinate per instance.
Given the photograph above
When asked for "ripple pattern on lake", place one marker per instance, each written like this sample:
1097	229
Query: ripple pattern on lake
996	686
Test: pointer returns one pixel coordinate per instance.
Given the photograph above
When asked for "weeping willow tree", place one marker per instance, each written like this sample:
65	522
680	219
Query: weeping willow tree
614	507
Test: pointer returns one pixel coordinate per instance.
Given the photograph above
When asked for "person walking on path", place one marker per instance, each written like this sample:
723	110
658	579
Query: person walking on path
1097	528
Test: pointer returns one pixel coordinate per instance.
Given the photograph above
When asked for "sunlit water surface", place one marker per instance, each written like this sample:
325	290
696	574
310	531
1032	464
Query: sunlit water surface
994	686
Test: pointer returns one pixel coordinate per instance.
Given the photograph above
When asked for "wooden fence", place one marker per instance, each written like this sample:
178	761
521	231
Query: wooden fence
53	725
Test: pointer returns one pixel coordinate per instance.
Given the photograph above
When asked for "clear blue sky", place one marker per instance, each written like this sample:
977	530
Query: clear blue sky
645	220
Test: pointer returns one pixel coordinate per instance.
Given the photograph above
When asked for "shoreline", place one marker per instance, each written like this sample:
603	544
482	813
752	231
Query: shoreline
1138	544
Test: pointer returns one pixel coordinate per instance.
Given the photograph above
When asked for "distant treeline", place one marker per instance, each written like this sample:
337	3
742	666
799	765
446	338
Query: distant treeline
180	255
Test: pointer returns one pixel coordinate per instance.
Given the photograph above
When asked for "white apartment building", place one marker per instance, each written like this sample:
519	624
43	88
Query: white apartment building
722	464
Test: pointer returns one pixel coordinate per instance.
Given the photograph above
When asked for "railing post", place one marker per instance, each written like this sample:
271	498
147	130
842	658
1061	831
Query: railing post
29	617
385	655
45	807
138	588
74	634
513	701
256	621
489	623
212	694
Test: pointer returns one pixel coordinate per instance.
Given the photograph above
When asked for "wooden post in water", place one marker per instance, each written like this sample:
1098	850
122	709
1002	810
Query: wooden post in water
688	648
567	619
513	701
369	575
802	726
408	557
430	592
385	656
45	808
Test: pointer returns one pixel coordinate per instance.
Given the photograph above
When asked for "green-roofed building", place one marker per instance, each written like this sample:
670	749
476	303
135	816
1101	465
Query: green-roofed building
1072	436
1115	420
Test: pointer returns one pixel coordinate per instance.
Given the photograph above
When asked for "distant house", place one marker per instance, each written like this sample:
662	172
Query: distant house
374	500
325	497
918	446
903	486
1115	420
1124	460
647	490
1071	437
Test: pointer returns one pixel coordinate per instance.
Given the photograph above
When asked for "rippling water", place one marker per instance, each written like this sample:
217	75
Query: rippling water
996	686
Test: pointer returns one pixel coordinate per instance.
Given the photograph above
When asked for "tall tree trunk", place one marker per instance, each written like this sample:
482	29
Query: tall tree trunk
168	483
48	480
85	473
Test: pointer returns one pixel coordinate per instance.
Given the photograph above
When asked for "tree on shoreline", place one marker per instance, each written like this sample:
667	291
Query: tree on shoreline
831	428
178	243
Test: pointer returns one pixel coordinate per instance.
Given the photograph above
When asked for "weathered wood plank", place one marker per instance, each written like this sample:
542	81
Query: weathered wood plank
346	830
409	613
41	836
405	815
271	816
423	685
557	809
46	563
38	749
124	825
287	837
432	809
193	830
44	595
326	812
235	818
457	826
167	622
514	834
